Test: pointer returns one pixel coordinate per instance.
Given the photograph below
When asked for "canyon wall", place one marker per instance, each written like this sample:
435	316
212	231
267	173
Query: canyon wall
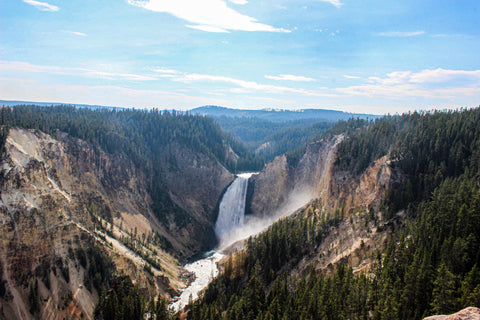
67	209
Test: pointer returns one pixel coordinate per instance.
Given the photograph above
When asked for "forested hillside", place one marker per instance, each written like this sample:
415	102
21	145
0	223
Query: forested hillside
425	148
137	134
431	263
267	139
270	133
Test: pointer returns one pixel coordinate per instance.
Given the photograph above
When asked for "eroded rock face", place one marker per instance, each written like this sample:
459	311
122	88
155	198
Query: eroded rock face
61	198
283	188
471	313
315	183
195	183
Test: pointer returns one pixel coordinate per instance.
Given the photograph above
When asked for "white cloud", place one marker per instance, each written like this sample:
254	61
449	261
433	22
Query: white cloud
81	34
239	1
336	3
42	5
26	90
207	28
164	70
442	75
207	15
289	77
425	84
243	86
429	76
350	77
166	73
392	78
409	91
434	86
401	34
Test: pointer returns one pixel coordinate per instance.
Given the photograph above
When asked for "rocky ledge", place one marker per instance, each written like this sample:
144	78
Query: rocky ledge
470	313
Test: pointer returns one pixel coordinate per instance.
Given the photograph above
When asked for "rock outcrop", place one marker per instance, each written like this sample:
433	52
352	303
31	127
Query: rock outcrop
281	188
470	313
195	183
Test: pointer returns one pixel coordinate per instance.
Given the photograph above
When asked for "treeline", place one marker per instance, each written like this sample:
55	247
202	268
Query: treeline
425	148
269	139
431	265
434	266
140	135
3	138
137	133
252	130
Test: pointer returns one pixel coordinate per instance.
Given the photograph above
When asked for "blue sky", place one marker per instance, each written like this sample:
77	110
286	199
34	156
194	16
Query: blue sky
370	56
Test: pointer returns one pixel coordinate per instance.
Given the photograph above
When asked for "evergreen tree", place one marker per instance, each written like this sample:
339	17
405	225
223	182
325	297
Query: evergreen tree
444	300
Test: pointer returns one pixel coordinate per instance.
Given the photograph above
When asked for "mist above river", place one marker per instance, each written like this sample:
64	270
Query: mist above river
232	224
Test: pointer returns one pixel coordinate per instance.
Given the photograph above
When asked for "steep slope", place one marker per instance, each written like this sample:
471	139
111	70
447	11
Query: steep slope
282	187
393	233
195	183
159	146
322	189
65	205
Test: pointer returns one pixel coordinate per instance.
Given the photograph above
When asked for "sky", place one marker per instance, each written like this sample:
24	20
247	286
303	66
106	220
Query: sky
364	56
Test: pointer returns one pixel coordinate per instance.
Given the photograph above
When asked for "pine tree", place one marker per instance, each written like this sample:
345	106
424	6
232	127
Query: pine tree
444	292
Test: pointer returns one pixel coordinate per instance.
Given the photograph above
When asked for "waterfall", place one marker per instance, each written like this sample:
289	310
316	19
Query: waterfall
231	218
231	214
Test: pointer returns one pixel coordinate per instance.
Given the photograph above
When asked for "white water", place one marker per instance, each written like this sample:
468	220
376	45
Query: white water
205	271
231	214
231	218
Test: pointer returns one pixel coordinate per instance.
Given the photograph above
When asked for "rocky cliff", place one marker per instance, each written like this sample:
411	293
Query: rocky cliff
281	187
195	183
316	184
68	210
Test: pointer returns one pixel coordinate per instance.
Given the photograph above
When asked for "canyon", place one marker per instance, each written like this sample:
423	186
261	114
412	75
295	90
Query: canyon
75	218
60	196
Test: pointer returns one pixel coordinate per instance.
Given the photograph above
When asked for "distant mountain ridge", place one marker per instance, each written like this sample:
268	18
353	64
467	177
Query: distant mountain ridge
281	115
267	114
